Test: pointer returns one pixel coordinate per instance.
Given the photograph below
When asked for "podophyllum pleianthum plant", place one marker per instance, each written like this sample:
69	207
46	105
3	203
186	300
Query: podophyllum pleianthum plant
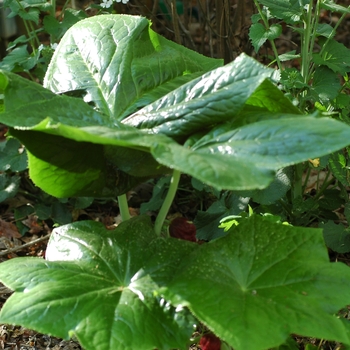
120	105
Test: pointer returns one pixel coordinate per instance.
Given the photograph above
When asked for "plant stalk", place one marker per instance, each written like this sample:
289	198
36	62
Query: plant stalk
267	26
305	50
123	207
298	182
174	182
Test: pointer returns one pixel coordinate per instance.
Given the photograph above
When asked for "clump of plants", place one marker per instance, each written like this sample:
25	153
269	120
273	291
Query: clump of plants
121	105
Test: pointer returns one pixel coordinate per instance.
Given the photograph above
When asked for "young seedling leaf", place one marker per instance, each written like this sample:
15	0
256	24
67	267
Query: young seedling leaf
267	277
93	285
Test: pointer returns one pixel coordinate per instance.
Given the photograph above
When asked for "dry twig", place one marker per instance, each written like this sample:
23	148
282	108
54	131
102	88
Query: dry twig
26	245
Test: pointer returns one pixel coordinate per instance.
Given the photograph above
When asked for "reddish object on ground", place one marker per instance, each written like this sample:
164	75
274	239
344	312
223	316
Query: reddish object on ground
210	342
183	229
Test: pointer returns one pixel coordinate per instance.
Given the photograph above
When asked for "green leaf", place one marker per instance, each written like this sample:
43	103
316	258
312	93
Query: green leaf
135	61
270	99
325	85
9	186
258	34
12	156
28	103
270	280
312	347
19	59
326	30
289	10
338	167
332	6
31	15
42	211
332	200
21	213
81	202
291	55
60	213
3	83
337	237
91	161
245	158
215	97
219	171
335	56
96	285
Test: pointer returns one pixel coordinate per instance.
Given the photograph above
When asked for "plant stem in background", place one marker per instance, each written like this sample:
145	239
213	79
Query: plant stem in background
298	181
30	30
267	26
53	8
123	207
174	182
53	14
305	43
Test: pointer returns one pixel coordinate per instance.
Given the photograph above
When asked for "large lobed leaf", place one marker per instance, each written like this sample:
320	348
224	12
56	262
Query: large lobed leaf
92	285
128	289
262	282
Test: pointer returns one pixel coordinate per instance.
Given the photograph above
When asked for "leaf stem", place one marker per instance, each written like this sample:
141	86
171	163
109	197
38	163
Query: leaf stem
123	207
174	182
298	182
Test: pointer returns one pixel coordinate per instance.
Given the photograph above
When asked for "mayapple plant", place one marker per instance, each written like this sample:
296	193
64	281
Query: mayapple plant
120	104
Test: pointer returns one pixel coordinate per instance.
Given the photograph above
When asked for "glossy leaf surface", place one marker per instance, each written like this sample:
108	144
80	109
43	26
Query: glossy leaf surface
91	161
215	97
94	285
247	157
262	282
237	128
134	61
